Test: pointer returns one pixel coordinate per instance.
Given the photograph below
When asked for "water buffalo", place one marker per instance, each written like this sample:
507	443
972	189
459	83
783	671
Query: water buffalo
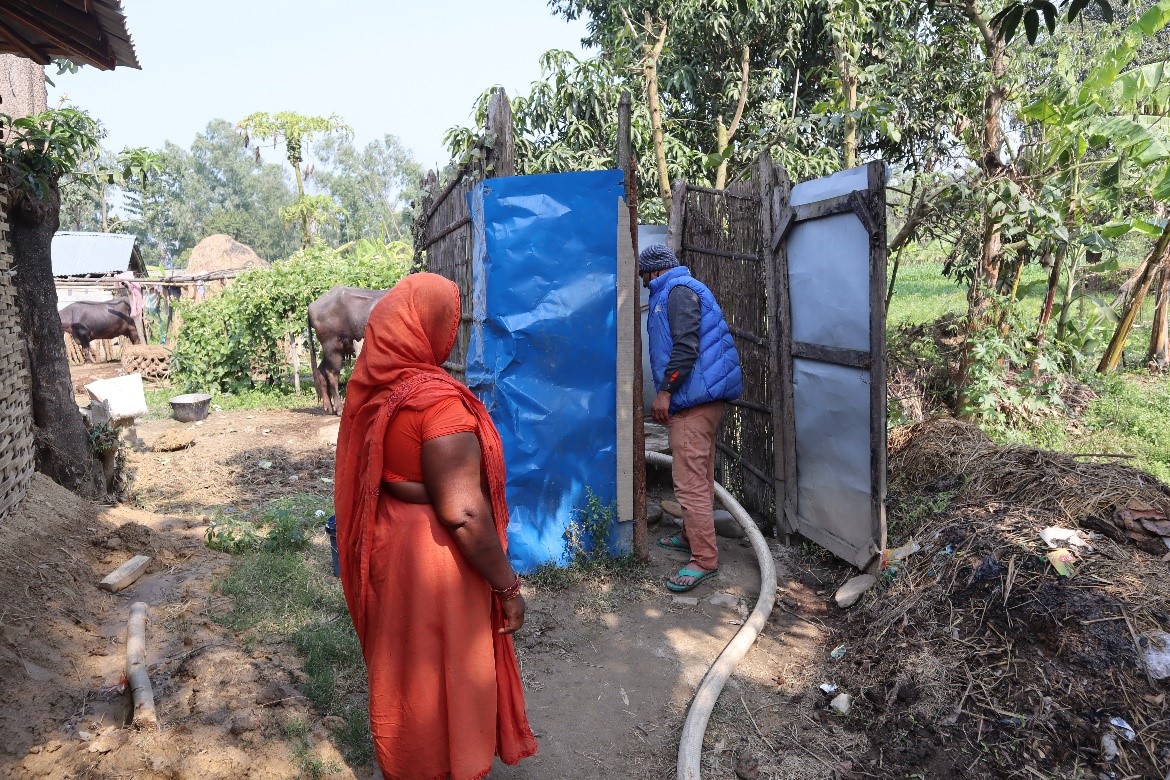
339	319
87	321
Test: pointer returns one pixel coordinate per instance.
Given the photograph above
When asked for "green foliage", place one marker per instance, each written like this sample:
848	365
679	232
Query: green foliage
38	150
1011	382
285	525
216	186
373	186
242	334
588	532
103	437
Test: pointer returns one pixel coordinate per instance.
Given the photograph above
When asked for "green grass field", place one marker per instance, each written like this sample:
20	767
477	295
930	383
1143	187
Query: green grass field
1130	416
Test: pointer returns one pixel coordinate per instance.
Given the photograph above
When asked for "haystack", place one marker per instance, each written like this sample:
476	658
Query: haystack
220	252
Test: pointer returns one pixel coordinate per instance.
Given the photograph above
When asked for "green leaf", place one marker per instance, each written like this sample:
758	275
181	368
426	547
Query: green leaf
1106	10
1075	8
1010	21
1049	15
1162	188
1032	24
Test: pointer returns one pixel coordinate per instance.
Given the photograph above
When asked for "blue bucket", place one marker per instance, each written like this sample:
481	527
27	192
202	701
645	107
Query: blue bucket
331	529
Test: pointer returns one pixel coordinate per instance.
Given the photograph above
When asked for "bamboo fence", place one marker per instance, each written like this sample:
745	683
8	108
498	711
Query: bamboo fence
17	453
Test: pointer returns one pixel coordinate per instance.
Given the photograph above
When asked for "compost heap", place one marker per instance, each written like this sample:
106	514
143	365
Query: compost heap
982	652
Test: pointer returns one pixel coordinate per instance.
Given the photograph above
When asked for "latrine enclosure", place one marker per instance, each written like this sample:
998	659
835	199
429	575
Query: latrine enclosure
798	271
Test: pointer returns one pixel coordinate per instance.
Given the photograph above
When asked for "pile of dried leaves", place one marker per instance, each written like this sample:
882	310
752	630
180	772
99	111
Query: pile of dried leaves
977	656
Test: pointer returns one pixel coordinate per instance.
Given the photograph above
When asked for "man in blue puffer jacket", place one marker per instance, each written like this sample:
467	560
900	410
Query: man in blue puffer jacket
696	369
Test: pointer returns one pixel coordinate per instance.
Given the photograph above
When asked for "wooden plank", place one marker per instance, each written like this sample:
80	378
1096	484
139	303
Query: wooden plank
24	47
753	338
447	231
125	575
854	358
720	253
625	161
678	207
876	197
782	400
627	306
721	193
841	204
857	200
756	407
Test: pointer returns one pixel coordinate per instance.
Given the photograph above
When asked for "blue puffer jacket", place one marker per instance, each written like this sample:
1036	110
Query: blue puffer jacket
716	375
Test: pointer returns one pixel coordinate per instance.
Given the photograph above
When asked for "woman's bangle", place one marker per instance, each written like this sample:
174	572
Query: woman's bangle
508	593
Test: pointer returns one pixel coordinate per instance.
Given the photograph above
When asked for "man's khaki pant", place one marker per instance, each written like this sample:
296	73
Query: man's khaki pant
692	446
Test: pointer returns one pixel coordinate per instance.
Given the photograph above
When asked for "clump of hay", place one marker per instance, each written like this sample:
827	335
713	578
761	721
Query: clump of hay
922	454
221	252
1063	484
173	440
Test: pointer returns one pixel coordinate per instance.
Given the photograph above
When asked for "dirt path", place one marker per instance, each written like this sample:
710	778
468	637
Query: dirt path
609	668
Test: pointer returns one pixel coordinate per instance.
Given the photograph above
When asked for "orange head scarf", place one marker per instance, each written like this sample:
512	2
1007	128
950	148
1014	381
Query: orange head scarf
409	335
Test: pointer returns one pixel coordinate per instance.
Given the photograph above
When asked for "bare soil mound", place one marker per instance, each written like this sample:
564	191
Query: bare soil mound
64	707
221	252
976	653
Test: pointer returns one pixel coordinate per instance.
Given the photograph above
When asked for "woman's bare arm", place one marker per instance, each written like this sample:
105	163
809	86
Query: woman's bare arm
452	473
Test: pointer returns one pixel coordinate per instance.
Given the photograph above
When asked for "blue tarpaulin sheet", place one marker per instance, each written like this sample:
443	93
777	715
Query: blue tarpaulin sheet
543	350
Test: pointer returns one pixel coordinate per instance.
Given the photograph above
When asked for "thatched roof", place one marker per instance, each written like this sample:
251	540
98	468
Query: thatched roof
220	252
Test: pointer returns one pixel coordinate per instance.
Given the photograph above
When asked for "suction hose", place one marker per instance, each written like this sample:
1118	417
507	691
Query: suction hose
690	748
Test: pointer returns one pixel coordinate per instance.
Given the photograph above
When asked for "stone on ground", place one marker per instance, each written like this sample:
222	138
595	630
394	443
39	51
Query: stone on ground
850	593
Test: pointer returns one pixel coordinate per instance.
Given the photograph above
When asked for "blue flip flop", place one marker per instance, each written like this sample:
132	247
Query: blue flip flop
685	572
675	543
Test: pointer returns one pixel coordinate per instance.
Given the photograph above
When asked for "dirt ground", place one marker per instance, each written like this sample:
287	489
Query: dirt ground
608	674
609	669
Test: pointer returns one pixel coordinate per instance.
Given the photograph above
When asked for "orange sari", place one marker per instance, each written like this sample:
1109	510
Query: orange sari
445	692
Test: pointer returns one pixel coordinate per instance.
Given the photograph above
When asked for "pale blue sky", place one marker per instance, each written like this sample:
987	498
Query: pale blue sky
412	69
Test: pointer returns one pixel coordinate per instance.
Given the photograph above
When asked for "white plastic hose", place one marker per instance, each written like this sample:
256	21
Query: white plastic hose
690	748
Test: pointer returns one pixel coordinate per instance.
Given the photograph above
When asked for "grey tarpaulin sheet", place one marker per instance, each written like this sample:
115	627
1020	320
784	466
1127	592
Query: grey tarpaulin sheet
829	290
542	355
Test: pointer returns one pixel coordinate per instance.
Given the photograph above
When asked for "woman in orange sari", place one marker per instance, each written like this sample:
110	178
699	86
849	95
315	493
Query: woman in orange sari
421	521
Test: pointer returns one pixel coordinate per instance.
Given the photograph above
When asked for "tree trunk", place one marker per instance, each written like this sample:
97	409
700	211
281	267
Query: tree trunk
1050	295
723	135
1159	353
986	276
64	450
1158	256
650	73
849	84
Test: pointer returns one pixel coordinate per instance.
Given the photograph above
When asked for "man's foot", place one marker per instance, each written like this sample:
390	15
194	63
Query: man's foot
676	543
688	577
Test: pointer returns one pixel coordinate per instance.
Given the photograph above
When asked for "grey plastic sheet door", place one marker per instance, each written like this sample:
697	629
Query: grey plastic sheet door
830	245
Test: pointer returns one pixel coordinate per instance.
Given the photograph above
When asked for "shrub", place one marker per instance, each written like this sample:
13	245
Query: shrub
229	342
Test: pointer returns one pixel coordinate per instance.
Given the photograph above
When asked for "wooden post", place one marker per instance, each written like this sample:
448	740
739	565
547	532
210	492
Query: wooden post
674	229
785	445
876	227
295	354
772	293
502	157
625	161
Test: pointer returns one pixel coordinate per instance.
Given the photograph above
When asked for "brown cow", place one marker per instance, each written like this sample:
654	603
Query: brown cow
339	319
88	321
